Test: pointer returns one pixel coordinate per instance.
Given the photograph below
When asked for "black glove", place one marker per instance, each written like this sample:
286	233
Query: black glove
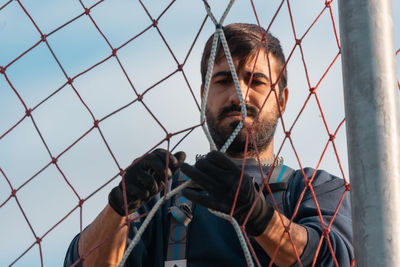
219	177
144	180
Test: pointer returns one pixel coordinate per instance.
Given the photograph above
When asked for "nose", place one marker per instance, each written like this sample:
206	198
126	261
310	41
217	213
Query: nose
234	98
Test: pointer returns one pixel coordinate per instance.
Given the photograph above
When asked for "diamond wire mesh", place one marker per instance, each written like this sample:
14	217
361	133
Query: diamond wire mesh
50	157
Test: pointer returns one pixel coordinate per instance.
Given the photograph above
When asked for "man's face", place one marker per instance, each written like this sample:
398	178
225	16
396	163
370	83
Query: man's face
223	106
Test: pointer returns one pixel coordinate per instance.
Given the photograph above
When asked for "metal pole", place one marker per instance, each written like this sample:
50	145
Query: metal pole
372	118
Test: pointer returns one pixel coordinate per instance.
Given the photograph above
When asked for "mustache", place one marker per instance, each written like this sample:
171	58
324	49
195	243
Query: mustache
252	111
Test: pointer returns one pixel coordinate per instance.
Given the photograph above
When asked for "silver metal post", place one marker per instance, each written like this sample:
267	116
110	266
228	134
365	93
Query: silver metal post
372	118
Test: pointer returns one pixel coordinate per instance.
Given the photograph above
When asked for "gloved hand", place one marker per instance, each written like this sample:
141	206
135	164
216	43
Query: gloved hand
219	177
144	180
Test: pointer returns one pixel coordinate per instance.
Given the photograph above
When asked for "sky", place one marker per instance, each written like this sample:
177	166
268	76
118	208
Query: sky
131	132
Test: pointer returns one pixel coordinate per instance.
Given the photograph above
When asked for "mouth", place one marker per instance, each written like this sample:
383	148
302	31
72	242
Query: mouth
234	115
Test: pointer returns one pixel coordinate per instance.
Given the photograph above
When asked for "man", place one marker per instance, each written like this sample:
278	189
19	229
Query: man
211	241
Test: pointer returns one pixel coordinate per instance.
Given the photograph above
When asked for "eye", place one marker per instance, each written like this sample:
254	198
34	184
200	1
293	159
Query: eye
224	81
257	82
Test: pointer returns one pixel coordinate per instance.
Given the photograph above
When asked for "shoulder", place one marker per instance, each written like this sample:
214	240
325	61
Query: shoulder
316	177
324	185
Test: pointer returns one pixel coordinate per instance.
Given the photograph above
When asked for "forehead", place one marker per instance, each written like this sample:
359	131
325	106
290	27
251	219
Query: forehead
259	63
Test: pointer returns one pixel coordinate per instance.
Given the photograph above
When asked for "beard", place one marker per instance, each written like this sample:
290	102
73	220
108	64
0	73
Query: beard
263	131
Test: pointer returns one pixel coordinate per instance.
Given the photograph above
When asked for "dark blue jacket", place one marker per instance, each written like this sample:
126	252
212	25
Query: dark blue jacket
213	241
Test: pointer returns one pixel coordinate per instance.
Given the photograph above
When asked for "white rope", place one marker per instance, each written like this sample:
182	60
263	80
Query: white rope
146	222
206	90
239	233
228	8
228	56
210	14
218	35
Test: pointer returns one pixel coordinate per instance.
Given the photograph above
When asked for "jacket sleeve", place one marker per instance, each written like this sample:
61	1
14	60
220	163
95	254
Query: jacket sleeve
149	250
328	191
141	254
72	253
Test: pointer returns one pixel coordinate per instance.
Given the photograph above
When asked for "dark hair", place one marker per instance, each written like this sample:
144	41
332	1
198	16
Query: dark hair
243	41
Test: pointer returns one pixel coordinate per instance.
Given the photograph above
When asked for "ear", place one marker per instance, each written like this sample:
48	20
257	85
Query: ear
284	99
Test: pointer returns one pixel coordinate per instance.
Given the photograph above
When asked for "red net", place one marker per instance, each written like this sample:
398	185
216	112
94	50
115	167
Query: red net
397	56
87	86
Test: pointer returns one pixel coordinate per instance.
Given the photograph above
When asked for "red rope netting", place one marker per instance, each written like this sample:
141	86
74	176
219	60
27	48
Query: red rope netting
80	150
397	55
